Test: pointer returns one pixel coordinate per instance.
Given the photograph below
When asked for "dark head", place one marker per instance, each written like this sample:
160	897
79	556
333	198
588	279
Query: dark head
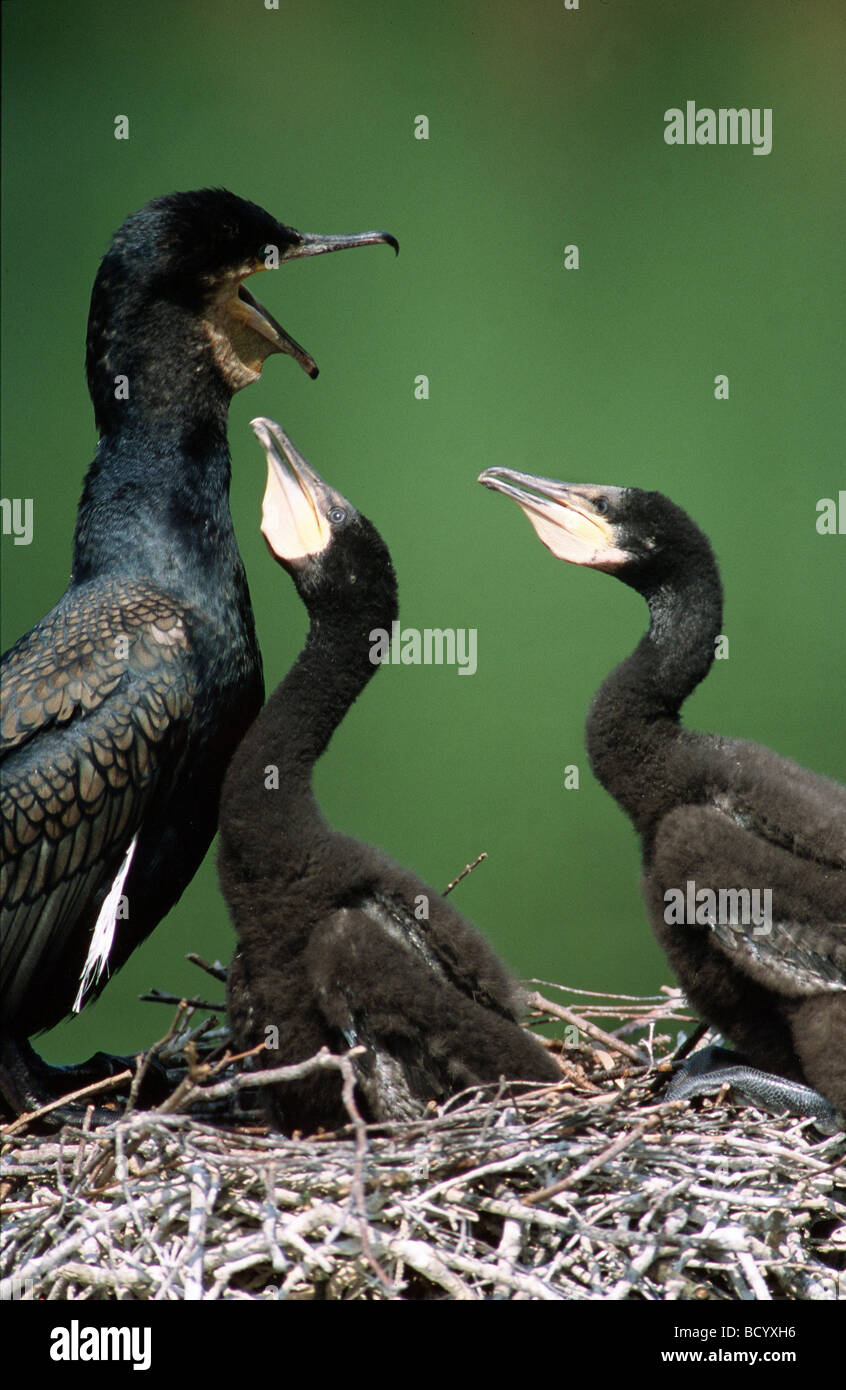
169	309
335	556
642	538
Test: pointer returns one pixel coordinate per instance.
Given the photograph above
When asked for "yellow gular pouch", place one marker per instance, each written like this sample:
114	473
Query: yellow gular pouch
241	331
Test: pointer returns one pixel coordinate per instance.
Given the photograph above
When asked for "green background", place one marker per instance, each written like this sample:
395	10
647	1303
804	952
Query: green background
546	128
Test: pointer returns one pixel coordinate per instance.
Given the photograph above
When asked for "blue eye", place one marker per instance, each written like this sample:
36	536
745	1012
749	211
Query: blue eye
601	505
337	515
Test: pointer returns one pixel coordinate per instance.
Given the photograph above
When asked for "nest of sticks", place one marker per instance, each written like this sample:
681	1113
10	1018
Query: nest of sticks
592	1189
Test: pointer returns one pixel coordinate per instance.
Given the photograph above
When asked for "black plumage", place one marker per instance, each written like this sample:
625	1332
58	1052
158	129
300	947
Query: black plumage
337	943
122	706
726	816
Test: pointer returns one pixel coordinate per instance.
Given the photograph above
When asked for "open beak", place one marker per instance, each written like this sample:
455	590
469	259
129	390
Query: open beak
315	244
296	499
565	516
253	332
247	309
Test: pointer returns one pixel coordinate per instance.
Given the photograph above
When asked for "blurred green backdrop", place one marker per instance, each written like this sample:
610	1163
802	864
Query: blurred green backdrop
546	128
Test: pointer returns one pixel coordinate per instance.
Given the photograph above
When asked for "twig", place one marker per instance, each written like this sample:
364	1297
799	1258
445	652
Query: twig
144	1062
545	1006
690	1042
111	1083
218	971
348	1097
599	1161
188	1092
468	869
159	996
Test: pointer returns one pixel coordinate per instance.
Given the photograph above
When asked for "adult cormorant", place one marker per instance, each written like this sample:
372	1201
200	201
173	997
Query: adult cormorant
744	852
122	706
338	944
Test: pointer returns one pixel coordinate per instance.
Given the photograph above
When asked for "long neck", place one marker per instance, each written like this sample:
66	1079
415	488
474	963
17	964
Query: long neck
633	724
325	681
156	498
155	506
272	769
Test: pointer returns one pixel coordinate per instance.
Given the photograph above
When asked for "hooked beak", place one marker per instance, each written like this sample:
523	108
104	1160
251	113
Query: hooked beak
316	244
565	516
296	499
245	333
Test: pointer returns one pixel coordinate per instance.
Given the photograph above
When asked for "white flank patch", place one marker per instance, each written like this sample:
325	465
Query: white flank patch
104	931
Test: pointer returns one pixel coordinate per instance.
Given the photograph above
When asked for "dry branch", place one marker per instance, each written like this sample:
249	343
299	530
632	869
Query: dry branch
590	1189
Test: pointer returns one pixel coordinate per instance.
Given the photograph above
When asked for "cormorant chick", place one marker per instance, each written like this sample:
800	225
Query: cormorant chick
744	852
339	945
122	706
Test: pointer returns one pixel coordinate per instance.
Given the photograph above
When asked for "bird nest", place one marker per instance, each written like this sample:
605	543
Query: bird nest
591	1189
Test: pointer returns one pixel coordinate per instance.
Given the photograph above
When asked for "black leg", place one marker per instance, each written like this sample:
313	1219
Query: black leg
28	1083
714	1067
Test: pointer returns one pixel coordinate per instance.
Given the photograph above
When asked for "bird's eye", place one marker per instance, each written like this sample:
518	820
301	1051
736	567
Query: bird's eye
601	505
337	515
